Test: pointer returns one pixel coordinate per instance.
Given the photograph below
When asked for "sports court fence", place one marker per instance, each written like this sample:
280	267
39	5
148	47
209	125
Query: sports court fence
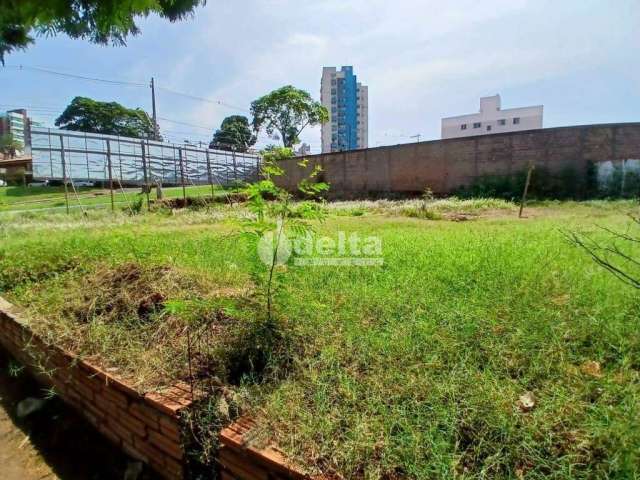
88	157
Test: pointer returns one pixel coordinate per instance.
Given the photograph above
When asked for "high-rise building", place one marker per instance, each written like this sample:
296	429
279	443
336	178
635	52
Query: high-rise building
347	101
492	119
16	123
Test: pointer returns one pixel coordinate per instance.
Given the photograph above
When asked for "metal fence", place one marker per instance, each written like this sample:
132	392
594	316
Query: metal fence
88	157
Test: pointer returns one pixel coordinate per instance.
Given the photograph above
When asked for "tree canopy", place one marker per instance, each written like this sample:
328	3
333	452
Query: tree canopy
9	145
99	21
87	115
234	134
288	111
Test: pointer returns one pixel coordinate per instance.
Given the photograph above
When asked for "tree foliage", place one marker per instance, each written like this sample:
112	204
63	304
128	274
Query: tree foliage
9	146
272	154
86	115
275	214
288	111
99	21
234	134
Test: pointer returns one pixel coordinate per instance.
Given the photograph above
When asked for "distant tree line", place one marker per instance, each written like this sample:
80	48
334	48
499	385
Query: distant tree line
283	114
110	118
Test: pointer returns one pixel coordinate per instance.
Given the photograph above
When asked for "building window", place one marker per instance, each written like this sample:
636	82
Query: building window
516	120
502	121
333	91
463	126
477	125
333	81
488	128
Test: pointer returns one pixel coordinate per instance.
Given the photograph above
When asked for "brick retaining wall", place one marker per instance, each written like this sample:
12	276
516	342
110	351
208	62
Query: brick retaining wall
239	460
145	426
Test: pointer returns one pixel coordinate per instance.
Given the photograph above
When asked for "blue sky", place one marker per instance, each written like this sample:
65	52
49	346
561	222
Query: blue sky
422	60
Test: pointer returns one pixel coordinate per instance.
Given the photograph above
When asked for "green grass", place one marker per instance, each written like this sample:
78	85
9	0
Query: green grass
411	369
20	199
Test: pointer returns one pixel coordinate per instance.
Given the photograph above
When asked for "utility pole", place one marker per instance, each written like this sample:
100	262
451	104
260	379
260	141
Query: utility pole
153	108
416	136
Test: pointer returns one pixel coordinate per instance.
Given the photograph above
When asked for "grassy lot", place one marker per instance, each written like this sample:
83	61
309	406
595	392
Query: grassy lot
410	369
16	199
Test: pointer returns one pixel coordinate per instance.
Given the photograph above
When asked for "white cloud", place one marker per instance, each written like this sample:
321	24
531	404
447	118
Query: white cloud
421	59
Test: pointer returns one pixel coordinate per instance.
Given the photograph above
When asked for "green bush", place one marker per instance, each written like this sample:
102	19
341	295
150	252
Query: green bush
567	184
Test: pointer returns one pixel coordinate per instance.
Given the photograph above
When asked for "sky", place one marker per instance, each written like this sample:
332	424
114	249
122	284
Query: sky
422	60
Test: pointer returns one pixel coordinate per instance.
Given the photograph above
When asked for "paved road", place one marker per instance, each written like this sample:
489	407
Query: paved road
54	443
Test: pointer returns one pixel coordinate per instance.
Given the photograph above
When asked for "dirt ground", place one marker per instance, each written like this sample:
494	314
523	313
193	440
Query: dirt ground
53	443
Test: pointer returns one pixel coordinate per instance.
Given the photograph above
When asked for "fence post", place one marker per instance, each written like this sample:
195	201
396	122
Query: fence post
235	171
209	173
144	170
113	206
184	190
86	154
64	174
526	190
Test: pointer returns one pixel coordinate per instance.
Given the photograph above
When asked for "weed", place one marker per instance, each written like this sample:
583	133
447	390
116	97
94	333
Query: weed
421	212
135	207
15	369
412	369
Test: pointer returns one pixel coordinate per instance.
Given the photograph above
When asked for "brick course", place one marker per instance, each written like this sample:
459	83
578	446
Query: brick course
145	426
446	165
240	460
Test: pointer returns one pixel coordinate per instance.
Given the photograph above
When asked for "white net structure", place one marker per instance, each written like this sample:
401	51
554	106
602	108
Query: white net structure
78	156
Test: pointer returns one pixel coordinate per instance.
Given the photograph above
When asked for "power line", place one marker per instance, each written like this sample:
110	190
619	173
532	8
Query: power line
71	75
23	105
186	124
123	82
48	111
203	99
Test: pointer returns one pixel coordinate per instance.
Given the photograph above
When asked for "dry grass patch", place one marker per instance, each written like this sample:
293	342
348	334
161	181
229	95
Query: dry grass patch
140	322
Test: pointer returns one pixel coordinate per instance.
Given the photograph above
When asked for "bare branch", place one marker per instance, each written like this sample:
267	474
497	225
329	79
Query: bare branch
591	247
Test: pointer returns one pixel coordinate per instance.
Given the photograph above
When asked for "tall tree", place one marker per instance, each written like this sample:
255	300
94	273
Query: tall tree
234	134
287	110
86	115
99	21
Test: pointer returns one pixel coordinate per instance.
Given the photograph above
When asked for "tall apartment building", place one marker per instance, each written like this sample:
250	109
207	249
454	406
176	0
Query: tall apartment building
492	119
347	101
16	123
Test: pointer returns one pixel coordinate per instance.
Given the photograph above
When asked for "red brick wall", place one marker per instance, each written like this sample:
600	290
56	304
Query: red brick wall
146	426
446	165
239	460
